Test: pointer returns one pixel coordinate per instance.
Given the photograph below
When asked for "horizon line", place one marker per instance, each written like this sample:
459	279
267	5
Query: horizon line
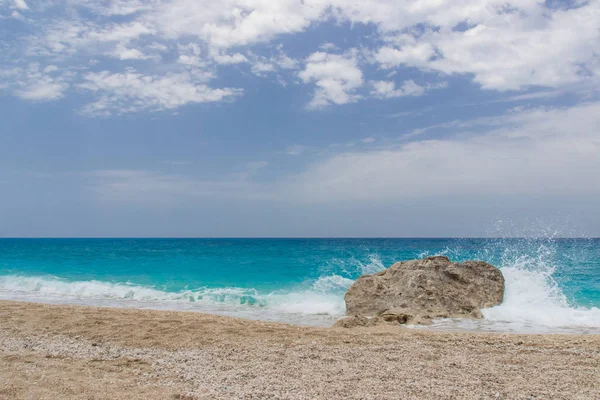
288	237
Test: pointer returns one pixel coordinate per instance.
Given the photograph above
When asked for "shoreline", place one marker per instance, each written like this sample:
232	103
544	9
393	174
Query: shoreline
80	352
315	320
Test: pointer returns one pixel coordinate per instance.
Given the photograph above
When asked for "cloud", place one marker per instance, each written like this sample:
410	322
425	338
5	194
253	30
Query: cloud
387	89
337	78
261	65
132	91
44	89
499	45
285	62
147	187
508	48
260	68
21	5
540	151
524	163
229	59
327	46
408	53
117	7
34	83
189	54
123	53
549	152
232	23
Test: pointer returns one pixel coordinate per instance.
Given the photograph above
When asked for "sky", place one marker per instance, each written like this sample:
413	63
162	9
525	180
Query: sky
299	118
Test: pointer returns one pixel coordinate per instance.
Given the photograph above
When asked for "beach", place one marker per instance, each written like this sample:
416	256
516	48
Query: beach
73	352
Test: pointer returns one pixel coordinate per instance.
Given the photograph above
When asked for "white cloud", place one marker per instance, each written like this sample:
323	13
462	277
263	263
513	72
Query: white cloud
337	78
327	46
285	62
540	151
34	83
44	89
228	59
120	32
412	53
259	68
507	50
132	91
123	53
189	54
21	5
117	7
387	89
159	47
509	45
50	68
16	15
231	23
262	65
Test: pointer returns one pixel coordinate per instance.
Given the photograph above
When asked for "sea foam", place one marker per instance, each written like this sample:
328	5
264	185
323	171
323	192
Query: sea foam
533	300
312	306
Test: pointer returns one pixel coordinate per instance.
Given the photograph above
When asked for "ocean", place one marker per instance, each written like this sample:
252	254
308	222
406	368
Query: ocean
552	285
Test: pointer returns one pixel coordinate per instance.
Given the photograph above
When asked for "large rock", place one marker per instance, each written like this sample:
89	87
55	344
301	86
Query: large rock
417	291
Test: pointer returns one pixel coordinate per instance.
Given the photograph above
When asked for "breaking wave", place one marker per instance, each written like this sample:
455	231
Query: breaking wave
290	306
534	302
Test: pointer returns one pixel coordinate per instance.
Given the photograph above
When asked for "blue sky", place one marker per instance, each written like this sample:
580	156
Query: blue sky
299	118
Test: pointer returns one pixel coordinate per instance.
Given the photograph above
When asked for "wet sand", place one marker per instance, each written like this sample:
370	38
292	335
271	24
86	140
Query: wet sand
69	352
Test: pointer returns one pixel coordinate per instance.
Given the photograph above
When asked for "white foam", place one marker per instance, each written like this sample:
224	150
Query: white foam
309	303
532	298
55	287
374	265
332	283
533	301
314	306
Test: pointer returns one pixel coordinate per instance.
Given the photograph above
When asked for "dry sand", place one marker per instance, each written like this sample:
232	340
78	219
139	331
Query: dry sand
68	352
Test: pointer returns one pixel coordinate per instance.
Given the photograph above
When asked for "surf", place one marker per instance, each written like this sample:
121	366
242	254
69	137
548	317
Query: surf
549	282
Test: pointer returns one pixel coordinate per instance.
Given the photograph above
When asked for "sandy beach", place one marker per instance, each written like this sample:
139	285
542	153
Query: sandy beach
69	352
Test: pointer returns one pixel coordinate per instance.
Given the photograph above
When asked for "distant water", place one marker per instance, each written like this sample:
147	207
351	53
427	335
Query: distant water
552	285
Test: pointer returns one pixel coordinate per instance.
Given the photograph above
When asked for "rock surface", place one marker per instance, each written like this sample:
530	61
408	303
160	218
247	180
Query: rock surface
417	291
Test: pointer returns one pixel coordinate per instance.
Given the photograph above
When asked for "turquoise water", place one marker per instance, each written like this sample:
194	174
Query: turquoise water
553	285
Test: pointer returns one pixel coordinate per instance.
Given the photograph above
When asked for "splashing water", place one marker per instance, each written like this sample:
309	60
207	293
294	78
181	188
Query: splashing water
534	301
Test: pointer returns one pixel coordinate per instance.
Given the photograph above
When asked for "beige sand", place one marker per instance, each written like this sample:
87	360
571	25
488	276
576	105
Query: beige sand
64	352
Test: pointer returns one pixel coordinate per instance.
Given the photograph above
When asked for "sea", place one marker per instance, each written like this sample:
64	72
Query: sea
552	284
